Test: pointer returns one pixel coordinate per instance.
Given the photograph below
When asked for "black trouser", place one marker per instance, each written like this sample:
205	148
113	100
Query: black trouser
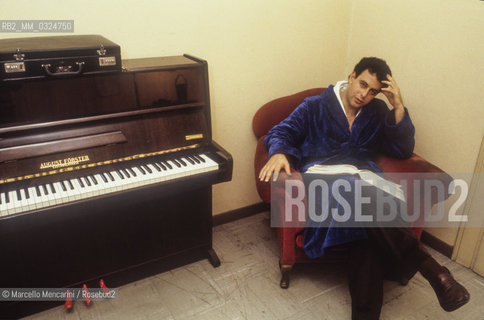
388	253
391	250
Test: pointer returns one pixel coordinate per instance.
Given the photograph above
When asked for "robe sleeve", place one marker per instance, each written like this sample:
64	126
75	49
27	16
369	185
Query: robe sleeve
399	139
287	136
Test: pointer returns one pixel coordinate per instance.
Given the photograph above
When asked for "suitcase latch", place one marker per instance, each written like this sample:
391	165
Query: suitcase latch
19	66
101	51
19	56
11	67
107	61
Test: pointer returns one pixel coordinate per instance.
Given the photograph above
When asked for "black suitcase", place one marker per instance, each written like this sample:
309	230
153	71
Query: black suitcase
57	56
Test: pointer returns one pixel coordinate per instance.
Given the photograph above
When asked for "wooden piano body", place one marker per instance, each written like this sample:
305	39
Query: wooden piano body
65	133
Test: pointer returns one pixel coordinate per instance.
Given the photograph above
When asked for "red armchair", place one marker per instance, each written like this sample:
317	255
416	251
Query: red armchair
290	239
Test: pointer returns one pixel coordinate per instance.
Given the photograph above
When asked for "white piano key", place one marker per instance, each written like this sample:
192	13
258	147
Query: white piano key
69	192
11	203
33	198
76	192
102	187
44	199
16	205
157	176
77	189
31	192
50	195
90	190
138	178
117	184
114	181
60	195
24	202
3	205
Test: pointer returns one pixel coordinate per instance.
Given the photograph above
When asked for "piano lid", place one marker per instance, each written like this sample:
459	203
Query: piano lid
147	110
34	101
151	83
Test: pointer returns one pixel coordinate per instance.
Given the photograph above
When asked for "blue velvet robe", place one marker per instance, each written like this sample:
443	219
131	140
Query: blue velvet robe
317	132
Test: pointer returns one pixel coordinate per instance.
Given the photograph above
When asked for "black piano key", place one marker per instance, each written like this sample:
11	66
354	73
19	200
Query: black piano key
0	198
27	195
70	184
176	163
52	188
168	165
44	188
157	167
195	159
63	186
147	168
19	196
87	181
110	176
120	174
93	178
37	190
141	169
190	160
163	166
80	182
7	198
103	177
182	162
126	173
131	172
200	158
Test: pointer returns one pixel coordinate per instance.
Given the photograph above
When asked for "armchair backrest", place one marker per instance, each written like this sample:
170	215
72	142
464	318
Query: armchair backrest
277	110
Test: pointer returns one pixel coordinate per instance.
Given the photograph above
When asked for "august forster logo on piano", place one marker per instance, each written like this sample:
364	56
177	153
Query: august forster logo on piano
64	162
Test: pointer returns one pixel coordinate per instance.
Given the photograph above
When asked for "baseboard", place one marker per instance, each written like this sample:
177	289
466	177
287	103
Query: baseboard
233	215
437	244
240	213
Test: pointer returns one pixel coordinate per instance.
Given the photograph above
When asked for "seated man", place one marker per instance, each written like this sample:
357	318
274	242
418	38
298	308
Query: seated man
347	125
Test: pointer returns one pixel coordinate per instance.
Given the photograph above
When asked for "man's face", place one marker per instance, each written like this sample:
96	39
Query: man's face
362	89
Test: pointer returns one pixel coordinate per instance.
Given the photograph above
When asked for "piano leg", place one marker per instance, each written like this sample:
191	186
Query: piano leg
213	258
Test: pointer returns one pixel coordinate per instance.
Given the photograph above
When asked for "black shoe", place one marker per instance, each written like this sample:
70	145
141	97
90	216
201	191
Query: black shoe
451	294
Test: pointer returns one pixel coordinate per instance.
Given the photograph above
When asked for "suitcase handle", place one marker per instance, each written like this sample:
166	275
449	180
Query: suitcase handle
63	70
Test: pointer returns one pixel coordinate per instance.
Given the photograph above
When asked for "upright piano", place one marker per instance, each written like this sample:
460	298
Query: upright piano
106	176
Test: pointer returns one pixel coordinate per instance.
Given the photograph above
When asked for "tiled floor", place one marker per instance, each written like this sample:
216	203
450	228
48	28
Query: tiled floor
246	286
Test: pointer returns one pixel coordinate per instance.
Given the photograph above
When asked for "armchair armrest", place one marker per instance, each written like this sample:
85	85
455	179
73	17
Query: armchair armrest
415	168
413	164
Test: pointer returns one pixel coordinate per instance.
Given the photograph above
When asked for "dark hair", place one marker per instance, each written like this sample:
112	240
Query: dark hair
373	65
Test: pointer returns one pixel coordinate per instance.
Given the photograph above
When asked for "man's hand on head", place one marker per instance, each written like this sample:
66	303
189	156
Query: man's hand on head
392	92
394	96
273	166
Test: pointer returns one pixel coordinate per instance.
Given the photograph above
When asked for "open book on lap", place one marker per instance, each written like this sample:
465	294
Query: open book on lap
366	175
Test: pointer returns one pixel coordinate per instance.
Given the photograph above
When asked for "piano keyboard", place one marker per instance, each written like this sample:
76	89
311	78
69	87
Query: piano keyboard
73	189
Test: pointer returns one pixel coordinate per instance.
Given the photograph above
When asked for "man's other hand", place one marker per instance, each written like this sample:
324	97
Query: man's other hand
277	162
